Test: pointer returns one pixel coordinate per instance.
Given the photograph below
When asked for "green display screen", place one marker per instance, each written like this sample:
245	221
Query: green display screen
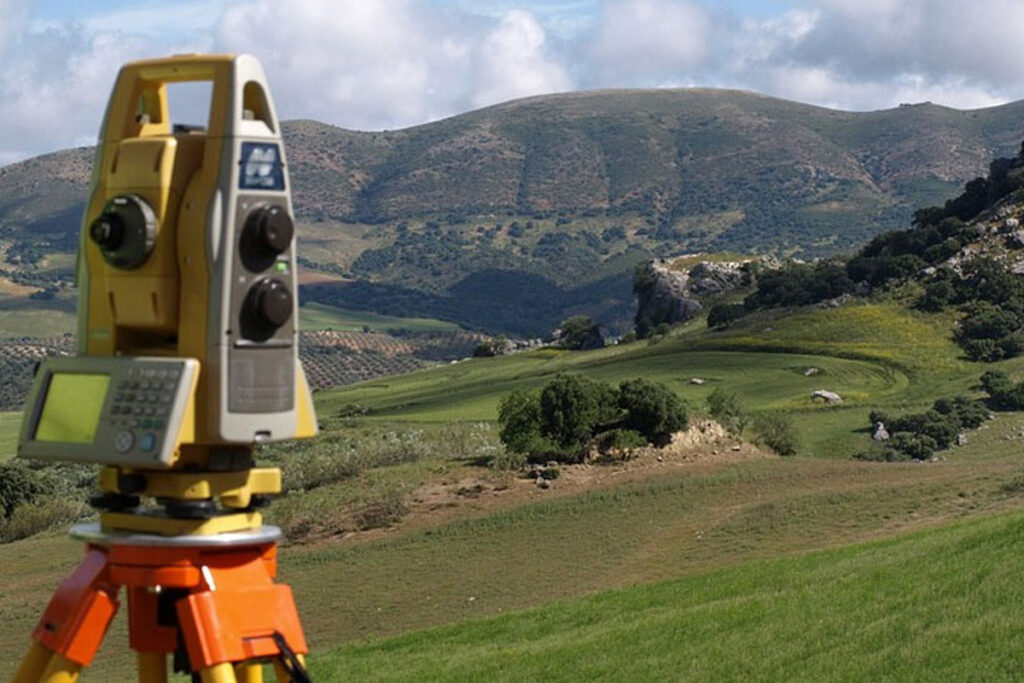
71	411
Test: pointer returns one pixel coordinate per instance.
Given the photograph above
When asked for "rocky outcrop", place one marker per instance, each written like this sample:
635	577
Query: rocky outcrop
667	295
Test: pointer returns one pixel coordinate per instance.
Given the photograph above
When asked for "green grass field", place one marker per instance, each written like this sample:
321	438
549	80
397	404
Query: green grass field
743	598
36	323
10	423
316	316
936	605
874	355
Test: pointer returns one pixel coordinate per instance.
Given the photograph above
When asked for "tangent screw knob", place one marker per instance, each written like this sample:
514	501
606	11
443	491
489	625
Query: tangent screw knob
272	228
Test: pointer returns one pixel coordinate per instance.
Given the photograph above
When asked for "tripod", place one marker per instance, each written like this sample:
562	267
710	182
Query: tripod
207	600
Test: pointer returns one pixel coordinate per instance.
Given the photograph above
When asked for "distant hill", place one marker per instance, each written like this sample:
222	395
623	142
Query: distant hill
566	193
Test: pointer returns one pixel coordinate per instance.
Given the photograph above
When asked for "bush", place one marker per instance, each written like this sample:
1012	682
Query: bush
1003	394
881	454
18	485
721	315
726	409
519	418
571	406
652	410
573	413
29	519
917	446
580	333
507	460
777	433
876	416
967	413
619	439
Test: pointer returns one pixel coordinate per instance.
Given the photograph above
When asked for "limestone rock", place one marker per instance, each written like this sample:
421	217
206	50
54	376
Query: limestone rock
830	397
881	433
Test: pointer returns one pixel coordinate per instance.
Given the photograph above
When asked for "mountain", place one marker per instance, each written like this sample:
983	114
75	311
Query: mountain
547	203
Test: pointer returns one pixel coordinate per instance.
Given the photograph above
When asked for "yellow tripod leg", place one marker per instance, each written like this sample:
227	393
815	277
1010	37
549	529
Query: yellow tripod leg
249	673
32	665
152	667
60	670
219	673
281	673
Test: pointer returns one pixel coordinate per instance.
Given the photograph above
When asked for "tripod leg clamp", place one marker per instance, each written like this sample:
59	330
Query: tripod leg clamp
80	611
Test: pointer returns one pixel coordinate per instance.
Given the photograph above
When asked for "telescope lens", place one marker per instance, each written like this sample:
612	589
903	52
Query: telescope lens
125	232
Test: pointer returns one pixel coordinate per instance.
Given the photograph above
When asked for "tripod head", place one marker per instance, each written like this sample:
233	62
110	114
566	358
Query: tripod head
187	315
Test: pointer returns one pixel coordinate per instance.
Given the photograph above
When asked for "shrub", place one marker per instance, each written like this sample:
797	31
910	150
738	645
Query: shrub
917	446
876	416
881	454
29	519
619	439
942	429
721	315
519	417
726	409
777	433
1003	394
571	406
968	413
506	460
18	485
652	410
580	333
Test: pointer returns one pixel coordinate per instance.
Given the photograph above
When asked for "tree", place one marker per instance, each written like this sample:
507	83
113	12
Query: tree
721	315
572	407
652	409
519	419
580	333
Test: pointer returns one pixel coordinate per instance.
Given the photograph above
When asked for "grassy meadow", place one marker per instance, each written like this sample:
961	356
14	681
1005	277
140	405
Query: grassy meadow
813	567
935	605
10	423
317	316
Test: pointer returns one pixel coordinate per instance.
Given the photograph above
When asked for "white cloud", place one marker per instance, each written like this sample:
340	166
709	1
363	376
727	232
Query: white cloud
650	41
389	63
374	64
511	62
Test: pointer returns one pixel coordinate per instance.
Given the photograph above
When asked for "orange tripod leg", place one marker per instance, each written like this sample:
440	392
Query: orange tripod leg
74	623
239	614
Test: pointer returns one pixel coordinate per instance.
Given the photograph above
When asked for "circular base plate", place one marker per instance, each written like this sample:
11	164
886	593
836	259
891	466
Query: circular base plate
94	533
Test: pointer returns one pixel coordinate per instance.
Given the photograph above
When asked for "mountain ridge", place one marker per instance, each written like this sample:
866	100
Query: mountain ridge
567	185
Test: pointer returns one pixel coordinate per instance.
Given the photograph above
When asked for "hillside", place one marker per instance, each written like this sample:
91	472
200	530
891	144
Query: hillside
937	605
512	217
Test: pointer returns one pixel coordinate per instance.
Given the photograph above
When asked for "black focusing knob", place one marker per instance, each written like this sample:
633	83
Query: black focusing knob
107	232
267	233
271	228
125	231
267	307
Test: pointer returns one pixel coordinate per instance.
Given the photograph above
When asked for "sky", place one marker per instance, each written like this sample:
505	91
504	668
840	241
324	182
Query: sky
386	64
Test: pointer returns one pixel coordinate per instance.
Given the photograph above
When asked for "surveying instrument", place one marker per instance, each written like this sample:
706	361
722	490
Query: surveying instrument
187	358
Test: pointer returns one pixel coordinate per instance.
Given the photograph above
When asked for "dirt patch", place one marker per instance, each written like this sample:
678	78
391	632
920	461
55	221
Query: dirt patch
702	448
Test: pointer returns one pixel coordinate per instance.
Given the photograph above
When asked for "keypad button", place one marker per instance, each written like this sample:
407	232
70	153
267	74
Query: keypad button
147	442
123	441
